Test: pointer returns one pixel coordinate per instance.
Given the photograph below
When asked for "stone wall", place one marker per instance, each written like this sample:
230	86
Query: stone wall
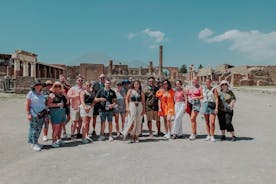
3	70
91	71
23	84
72	71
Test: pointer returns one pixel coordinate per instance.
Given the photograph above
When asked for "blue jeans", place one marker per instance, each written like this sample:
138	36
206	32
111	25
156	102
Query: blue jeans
35	130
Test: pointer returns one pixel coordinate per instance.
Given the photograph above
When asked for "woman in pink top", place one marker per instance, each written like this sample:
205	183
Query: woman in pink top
180	98
194	96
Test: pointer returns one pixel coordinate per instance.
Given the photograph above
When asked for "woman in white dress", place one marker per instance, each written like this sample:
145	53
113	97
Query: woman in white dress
135	109
180	98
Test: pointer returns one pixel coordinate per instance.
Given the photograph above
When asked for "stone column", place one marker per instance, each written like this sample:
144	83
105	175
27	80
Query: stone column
25	69
161	60
55	73
150	68
16	67
45	72
110	67
33	69
140	71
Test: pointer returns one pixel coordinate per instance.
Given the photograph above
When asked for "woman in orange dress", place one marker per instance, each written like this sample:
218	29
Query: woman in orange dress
166	110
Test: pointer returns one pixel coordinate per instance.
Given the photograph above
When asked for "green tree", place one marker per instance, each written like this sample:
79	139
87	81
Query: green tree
200	66
183	69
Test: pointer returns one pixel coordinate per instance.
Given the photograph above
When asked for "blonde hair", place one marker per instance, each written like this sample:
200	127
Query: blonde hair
57	83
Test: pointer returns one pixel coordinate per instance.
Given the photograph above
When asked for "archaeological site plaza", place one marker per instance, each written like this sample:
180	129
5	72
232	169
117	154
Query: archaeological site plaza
19	69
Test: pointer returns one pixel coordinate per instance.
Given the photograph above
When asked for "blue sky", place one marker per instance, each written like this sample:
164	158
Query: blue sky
192	31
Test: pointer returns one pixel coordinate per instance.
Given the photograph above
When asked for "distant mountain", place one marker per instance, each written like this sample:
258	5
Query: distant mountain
93	58
101	58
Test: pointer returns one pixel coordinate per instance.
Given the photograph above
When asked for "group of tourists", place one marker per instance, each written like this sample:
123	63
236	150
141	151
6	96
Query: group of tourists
57	103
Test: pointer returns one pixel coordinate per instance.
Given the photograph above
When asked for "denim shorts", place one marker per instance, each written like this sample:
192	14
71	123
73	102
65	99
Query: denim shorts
106	115
57	115
207	110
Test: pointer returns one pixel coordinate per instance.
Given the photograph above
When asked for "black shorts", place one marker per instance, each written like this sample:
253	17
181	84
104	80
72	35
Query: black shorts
67	110
96	109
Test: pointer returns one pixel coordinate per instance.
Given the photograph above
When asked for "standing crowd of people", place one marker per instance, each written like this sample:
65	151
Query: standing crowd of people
56	103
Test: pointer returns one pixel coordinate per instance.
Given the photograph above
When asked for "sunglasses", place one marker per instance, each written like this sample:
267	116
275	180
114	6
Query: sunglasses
224	85
57	86
49	84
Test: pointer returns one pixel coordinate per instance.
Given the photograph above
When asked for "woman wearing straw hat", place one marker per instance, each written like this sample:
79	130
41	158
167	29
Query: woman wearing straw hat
35	105
227	101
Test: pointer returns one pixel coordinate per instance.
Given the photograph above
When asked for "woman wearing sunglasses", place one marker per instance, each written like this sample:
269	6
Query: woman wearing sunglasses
166	98
87	97
56	103
227	102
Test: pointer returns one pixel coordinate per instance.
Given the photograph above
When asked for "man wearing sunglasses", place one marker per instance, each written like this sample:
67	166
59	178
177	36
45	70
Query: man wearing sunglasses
107	102
97	86
74	96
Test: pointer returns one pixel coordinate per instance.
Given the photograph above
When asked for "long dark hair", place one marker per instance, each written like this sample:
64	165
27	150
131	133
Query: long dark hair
140	87
169	84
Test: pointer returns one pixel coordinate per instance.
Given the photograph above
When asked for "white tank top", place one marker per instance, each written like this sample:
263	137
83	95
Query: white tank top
208	95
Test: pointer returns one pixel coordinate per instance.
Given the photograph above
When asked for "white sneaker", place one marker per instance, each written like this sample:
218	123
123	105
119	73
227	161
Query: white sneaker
101	138
55	145
213	139
60	141
208	138
167	136
110	138
89	139
192	137
36	147
64	135
44	138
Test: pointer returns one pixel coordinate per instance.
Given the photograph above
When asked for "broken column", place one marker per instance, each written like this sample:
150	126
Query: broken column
160	60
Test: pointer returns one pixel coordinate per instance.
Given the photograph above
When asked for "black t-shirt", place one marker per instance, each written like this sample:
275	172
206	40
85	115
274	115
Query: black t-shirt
109	95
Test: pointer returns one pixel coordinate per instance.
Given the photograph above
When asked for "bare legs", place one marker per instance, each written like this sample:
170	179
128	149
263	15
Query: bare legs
193	121
210	124
85	128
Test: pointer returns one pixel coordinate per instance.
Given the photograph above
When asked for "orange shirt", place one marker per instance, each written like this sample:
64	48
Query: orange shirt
167	102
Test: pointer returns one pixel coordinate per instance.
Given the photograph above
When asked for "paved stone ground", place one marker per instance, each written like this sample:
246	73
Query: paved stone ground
251	159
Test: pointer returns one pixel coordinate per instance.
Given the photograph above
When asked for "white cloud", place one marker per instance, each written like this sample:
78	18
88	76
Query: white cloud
151	37
157	36
131	36
205	33
254	44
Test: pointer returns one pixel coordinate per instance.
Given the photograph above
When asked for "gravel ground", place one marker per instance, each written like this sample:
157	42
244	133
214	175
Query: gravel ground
251	159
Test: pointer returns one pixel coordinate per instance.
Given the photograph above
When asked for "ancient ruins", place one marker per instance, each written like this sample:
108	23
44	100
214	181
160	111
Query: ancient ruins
18	70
